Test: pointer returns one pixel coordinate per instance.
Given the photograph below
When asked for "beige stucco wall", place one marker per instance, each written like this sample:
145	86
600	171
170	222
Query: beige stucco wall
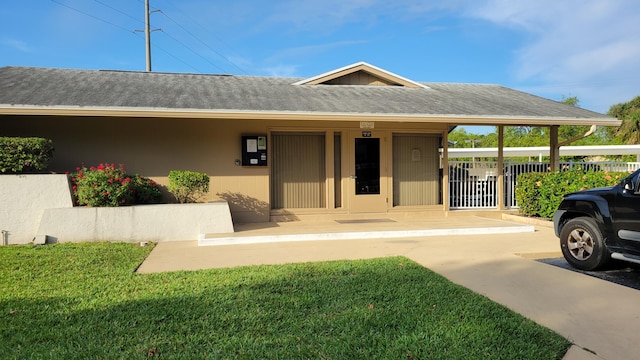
154	146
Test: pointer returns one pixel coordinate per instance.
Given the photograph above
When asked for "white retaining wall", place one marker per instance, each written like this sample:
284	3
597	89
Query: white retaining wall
164	222
23	198
39	207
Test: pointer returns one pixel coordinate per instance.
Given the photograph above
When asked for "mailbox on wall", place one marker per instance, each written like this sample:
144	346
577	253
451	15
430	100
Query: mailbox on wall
254	151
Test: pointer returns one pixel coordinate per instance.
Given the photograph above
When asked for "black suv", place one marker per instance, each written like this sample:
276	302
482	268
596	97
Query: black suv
599	224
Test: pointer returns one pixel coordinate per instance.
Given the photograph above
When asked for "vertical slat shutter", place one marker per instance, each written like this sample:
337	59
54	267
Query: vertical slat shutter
416	166
298	171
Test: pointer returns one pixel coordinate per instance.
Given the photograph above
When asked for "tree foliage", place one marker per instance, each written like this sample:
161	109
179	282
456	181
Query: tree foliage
629	113
527	136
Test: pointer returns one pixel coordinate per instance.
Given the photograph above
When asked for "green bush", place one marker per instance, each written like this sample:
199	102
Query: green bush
146	190
188	186
108	185
539	194
24	155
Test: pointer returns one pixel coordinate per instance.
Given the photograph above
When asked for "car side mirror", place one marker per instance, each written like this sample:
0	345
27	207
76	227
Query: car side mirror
627	184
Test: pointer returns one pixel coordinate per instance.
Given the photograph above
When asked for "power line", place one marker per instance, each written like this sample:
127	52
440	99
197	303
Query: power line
165	32
193	51
175	57
119	11
125	29
92	16
200	40
148	38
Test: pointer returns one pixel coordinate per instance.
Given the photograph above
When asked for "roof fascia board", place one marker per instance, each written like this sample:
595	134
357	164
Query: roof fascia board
360	66
308	116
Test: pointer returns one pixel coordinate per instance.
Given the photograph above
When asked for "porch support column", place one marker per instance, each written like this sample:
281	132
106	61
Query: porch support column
445	170
554	149
330	197
500	180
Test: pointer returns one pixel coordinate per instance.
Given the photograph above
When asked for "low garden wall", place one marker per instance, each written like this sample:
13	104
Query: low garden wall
23	198
40	208
164	222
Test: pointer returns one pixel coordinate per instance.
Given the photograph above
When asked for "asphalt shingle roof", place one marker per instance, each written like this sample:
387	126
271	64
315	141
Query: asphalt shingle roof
47	87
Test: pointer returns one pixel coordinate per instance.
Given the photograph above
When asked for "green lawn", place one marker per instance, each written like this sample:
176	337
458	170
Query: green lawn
81	301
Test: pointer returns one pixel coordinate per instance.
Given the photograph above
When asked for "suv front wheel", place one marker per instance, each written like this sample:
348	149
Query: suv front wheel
582	245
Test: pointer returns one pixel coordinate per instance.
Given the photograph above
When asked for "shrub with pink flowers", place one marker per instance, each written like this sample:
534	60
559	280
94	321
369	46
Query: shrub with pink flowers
108	185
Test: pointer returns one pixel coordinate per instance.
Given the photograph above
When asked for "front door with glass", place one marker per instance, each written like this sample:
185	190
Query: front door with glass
368	170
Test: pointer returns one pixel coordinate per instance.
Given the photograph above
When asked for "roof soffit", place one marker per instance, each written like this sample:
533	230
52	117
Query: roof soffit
384	75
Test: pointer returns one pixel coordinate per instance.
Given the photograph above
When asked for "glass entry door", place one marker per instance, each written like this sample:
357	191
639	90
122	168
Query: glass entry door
368	173
367	152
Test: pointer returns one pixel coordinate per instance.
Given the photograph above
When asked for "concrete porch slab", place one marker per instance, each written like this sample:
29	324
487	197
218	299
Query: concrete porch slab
380	228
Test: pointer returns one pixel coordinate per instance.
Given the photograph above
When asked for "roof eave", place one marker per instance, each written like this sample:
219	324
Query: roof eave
305	116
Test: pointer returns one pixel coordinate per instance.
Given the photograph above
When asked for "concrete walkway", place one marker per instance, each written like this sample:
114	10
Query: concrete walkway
602	319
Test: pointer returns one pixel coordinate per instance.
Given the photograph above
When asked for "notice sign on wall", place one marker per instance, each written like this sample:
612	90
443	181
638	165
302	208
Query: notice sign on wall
254	151
252	145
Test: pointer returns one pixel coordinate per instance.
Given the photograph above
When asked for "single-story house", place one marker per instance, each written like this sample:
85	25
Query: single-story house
358	139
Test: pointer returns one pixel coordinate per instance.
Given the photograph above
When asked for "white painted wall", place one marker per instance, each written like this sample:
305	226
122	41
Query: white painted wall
22	201
35	206
165	222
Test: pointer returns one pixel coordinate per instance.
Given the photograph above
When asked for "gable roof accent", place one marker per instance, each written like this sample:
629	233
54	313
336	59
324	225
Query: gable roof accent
384	76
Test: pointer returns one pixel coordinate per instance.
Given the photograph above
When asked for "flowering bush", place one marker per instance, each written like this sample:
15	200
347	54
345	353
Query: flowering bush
108	185
539	194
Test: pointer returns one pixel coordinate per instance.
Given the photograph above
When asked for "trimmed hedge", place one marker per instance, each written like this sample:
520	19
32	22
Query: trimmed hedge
25	155
539	194
188	186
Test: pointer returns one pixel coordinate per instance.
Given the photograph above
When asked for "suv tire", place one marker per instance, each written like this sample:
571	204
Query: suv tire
582	245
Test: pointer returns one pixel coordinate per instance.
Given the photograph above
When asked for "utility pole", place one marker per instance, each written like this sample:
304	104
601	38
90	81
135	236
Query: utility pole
147	32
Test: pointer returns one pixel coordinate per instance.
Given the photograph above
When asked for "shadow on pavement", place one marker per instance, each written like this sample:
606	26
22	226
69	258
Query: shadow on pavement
621	273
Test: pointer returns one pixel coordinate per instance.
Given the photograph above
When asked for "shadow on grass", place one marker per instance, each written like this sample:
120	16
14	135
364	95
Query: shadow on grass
381	308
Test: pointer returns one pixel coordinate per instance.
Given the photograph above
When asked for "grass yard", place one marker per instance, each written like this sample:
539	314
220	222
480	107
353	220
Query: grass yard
80	301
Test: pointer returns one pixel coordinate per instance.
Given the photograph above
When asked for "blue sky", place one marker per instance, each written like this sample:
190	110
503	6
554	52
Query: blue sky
554	49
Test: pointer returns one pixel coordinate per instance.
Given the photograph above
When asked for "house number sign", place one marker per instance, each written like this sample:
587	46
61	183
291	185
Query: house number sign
367	124
366	134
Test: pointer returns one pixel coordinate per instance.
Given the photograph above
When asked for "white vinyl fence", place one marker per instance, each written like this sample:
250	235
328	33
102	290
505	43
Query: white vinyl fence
473	184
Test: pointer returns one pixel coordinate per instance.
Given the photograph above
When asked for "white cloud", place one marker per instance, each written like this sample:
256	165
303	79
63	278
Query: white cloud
281	70
591	46
16	44
311	50
327	14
